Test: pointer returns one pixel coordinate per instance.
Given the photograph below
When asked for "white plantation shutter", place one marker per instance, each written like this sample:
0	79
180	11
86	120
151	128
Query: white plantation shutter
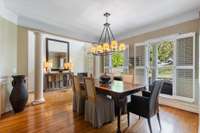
185	66
139	76
126	60
140	71
140	55
90	63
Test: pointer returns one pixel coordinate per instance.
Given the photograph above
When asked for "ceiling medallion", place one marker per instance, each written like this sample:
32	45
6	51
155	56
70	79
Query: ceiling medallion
107	43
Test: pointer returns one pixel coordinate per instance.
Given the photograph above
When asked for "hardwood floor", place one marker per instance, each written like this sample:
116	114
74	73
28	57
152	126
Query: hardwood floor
56	116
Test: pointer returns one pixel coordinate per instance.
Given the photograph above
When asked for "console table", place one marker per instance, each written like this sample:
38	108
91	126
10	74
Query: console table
56	80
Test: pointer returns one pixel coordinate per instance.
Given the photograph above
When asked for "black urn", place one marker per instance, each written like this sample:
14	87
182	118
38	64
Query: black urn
19	94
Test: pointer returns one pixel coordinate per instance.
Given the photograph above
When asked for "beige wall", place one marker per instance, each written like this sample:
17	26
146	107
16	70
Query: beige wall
190	26
8	60
8	46
22	50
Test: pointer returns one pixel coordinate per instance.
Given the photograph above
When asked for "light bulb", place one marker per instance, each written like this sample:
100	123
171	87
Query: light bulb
122	46
114	45
106	47
99	49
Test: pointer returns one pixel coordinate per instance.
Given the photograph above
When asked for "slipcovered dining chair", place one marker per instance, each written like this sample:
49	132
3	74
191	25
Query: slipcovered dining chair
146	105
98	108
79	96
82	75
128	78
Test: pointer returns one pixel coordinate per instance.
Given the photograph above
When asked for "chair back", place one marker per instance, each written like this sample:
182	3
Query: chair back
82	75
71	77
157	85
90	88
127	78
108	74
76	82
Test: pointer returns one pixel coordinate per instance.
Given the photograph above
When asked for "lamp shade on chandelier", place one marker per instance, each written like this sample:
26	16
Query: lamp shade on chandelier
107	43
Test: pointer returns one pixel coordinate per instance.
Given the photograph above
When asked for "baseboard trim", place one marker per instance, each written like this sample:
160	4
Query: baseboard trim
40	101
190	107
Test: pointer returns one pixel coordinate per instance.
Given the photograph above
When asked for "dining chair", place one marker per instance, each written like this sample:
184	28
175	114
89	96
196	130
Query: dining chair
82	75
79	96
146	105
99	109
118	78
111	75
128	78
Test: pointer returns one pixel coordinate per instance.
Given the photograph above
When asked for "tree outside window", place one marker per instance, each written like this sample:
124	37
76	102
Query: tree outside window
117	59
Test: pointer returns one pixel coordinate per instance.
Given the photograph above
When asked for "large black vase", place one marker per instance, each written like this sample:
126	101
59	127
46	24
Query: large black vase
19	94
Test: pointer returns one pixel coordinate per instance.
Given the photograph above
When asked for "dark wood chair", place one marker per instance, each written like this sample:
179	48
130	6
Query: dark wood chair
146	105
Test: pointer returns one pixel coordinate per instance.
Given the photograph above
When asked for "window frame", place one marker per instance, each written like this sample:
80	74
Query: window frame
174	38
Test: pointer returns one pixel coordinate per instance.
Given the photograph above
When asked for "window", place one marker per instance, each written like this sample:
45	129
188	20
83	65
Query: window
165	60
161	64
117	62
171	59
140	71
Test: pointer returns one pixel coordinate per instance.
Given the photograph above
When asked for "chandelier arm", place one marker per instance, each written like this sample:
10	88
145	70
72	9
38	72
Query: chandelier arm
105	35
111	33
101	35
109	39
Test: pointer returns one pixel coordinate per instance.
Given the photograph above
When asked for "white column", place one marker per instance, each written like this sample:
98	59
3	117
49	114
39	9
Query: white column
39	97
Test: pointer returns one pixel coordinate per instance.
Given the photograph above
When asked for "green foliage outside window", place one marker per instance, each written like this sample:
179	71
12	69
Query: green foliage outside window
165	51
117	59
165	59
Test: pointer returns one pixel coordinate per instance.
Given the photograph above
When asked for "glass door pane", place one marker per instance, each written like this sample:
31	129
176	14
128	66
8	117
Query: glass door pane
162	64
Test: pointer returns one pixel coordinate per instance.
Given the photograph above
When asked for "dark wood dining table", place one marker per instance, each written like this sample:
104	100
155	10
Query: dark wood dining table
119	91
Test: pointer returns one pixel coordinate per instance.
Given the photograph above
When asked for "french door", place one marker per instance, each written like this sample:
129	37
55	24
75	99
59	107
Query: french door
171	59
141	64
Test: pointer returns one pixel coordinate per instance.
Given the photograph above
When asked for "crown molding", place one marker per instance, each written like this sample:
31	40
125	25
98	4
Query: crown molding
191	15
53	29
7	14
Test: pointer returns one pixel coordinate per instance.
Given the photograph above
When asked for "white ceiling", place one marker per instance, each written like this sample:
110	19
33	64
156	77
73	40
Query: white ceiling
83	19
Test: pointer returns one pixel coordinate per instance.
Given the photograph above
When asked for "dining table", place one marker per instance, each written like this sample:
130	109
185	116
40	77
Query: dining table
118	90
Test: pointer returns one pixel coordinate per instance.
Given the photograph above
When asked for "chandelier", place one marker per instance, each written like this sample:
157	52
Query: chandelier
107	43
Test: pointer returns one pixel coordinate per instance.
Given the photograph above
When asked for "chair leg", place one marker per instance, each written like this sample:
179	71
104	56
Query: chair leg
149	123
128	117
158	116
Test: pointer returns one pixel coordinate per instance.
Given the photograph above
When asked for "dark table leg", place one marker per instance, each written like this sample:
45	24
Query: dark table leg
118	111
118	120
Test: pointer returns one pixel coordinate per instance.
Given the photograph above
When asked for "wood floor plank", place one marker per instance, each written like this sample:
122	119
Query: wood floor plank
56	116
